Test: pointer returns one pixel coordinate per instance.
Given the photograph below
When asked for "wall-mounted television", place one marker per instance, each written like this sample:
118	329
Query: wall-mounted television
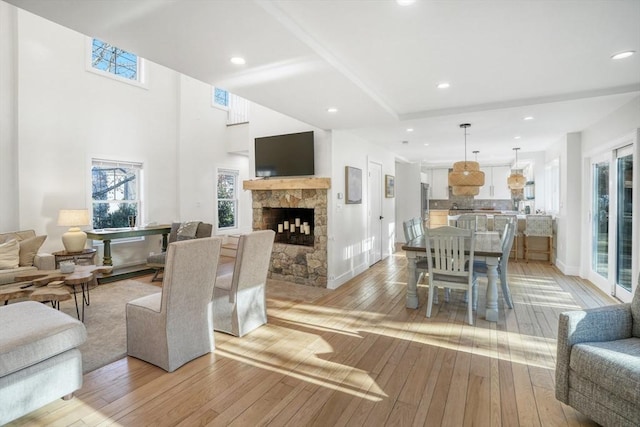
285	155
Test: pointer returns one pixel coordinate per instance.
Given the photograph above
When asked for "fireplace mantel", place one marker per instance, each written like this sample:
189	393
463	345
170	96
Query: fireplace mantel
287	184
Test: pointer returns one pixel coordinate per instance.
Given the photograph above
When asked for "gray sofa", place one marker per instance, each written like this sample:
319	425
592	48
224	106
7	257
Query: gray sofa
30	257
39	358
598	362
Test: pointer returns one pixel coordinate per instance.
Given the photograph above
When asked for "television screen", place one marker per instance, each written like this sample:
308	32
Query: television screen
285	155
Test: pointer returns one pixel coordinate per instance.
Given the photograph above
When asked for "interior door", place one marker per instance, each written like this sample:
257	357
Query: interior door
375	212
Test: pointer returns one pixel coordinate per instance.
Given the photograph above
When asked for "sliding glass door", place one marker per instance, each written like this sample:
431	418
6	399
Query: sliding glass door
600	224
624	213
612	244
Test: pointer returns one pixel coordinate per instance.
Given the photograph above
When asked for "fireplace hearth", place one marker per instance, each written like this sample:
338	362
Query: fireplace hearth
297	257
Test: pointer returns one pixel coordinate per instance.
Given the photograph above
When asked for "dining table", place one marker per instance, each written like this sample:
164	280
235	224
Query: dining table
488	248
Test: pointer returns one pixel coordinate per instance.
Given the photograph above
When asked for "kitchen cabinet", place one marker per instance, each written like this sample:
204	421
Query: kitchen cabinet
439	184
438	218
495	183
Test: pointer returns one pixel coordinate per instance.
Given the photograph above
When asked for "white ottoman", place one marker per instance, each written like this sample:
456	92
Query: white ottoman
39	359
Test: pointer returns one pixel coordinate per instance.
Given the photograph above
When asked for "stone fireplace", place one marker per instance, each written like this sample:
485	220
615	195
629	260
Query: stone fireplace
297	257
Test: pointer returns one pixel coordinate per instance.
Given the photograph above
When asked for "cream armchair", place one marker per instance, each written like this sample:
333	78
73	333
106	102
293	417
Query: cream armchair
170	328
239	302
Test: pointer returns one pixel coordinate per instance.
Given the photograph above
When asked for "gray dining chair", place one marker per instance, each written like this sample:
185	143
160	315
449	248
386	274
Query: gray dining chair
480	267
449	266
172	327
499	223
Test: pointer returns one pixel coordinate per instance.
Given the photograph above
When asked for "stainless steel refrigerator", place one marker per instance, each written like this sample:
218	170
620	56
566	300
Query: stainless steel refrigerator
424	197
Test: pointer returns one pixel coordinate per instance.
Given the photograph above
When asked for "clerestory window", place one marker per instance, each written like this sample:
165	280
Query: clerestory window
111	61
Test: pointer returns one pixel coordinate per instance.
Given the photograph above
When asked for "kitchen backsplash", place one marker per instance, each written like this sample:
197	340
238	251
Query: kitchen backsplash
468	202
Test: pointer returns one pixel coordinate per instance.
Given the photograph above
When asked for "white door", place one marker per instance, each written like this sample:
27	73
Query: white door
375	212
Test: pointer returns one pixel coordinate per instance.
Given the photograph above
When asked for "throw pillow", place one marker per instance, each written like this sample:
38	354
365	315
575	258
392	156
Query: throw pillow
9	254
29	248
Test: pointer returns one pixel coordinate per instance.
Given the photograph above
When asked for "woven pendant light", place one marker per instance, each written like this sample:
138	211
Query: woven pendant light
465	190
516	180
466	173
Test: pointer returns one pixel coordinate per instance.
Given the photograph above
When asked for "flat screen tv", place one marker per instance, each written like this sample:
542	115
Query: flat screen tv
285	155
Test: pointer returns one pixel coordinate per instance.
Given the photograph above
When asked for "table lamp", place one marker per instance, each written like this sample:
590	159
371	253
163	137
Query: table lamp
74	239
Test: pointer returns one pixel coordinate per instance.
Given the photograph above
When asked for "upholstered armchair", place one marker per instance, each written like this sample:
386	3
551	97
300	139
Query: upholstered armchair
170	328
598	362
239	301
179	231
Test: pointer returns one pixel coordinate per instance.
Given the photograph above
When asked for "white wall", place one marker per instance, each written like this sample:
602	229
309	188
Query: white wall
67	116
568	220
9	218
348	224
408	195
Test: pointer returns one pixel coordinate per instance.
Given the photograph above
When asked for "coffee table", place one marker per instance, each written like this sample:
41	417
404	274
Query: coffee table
32	285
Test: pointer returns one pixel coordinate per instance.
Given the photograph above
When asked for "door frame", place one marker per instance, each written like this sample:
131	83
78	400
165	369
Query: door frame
374	193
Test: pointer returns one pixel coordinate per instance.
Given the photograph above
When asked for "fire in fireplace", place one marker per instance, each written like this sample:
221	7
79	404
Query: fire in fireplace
293	226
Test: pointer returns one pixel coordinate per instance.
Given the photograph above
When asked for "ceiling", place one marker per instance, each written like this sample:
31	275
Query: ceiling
379	63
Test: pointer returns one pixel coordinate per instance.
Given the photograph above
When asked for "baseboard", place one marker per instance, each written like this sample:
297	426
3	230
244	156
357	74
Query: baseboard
567	270
345	277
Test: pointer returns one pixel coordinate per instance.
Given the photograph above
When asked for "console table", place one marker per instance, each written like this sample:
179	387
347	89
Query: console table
109	234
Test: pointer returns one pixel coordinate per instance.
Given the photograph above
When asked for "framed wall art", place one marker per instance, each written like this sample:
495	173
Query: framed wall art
353	184
389	186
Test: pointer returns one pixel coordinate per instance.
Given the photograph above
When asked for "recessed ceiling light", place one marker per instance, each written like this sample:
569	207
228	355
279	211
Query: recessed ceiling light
528	118
443	85
332	110
517	137
237	60
426	145
405	2
622	55
409	129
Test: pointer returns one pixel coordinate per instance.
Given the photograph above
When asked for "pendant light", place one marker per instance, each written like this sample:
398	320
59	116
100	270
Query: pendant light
466	177
516	180
467	190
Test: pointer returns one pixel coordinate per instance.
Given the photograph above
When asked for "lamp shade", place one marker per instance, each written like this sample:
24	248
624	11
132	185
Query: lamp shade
73	217
465	190
466	178
516	180
74	239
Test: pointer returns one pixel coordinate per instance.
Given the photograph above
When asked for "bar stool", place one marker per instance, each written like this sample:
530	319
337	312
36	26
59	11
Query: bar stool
539	226
499	222
475	222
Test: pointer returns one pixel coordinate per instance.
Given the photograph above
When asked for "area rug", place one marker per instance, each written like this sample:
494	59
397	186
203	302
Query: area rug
105	321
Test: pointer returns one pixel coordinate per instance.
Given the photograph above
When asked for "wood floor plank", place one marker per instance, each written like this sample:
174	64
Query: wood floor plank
357	356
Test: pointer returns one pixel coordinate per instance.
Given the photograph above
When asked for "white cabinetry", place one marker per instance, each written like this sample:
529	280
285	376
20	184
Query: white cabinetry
495	183
439	184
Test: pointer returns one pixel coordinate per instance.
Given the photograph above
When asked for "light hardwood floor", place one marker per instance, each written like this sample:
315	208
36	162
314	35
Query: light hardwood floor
356	356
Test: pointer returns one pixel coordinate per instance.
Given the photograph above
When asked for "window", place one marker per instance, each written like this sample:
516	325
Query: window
237	107
115	193
227	199
111	61
220	98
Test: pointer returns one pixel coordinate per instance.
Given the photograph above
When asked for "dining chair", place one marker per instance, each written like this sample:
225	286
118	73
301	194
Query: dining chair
409	231
179	231
480	267
449	265
538	226
239	301
499	223
172	327
409	234
475	222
